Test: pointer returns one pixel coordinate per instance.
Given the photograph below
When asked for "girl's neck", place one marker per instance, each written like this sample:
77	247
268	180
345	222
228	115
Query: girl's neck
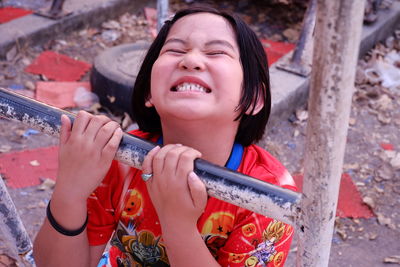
215	143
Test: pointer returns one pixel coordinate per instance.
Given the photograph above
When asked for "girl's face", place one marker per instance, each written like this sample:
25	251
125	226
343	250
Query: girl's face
198	74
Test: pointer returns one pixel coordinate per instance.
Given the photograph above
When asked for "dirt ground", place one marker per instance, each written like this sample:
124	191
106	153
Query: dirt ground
373	144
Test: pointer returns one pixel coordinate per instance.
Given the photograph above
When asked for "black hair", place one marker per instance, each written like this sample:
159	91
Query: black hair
256	86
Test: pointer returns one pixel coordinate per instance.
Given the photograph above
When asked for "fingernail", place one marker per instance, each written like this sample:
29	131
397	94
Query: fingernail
178	144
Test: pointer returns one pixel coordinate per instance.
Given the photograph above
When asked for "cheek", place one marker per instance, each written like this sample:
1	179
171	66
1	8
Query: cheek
156	77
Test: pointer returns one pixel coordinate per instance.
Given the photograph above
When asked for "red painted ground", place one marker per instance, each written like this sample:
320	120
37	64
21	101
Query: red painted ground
9	13
25	168
350	203
276	50
59	94
58	67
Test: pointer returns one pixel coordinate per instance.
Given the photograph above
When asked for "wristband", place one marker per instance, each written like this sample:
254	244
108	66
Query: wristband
61	229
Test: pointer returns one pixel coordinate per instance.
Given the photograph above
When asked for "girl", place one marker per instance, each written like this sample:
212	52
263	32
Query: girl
202	92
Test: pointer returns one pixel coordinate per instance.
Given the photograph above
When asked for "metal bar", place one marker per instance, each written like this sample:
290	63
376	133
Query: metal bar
56	7
301	58
232	187
338	35
55	11
13	226
162	13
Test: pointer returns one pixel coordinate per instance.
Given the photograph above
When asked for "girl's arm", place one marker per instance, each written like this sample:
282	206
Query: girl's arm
179	198
85	155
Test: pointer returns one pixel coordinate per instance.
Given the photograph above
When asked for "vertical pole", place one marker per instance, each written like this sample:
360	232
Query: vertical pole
336	46
162	13
13	227
56	7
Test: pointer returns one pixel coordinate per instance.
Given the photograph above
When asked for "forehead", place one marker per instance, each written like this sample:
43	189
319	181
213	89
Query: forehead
203	25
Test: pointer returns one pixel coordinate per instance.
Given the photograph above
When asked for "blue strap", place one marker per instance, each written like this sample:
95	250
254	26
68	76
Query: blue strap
234	160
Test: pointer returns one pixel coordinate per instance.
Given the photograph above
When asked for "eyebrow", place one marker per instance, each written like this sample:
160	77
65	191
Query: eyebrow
212	42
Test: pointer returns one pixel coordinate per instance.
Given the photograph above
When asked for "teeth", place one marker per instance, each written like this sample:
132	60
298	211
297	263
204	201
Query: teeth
190	87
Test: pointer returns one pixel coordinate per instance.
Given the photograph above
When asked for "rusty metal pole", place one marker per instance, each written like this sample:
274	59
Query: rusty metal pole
13	227
241	190
337	41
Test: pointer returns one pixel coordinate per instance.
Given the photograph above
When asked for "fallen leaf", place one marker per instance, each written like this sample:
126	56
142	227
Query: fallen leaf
46	184
111	24
384	103
392	259
5	148
30	85
395	162
111	98
353	166
42	204
378	189
373	236
383	119
382	220
369	201
342	234
126	121
352	121
11	54
385	172
301	114
291	34
34	163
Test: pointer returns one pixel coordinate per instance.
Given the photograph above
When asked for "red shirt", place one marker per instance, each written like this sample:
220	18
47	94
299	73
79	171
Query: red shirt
235	236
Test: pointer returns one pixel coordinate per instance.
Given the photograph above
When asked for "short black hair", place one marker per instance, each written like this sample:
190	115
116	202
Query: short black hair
256	85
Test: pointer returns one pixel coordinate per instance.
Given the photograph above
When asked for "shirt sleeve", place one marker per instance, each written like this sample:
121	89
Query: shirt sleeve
256	240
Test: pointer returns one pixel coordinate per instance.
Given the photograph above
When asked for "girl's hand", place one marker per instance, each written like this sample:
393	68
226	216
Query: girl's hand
85	155
178	195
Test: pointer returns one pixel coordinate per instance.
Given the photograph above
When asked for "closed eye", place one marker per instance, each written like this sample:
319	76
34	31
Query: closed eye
177	51
214	53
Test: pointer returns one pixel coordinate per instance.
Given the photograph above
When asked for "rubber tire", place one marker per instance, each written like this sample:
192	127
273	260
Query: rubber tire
114	86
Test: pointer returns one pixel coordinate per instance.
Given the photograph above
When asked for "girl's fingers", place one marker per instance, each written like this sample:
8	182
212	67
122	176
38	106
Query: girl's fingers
198	191
147	165
81	122
172	161
65	130
186	161
105	133
160	158
96	126
112	144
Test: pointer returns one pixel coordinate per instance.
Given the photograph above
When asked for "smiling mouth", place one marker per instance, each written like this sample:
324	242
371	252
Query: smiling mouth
190	87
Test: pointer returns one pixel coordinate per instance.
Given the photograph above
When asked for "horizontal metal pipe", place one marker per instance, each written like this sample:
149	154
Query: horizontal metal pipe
221	183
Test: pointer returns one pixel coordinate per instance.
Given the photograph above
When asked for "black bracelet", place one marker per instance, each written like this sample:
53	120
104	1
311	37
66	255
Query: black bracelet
61	229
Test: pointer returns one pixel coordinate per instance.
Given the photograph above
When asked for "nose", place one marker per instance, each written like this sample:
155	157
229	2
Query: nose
192	61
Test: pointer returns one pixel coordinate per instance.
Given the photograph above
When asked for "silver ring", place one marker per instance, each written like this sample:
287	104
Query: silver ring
146	176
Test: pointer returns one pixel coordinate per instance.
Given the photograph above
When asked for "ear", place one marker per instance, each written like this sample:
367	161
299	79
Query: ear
257	107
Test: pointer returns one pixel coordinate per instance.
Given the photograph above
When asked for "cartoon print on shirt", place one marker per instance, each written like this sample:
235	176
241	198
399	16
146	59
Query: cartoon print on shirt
133	205
218	227
266	252
140	248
